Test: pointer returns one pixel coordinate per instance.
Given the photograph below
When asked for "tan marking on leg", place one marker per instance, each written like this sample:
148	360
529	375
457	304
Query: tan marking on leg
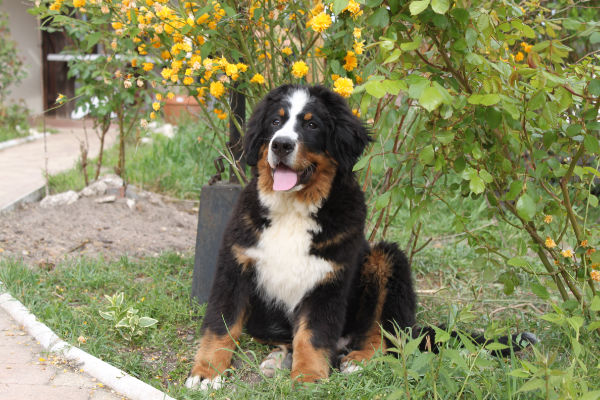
377	268
307	116
309	364
215	352
241	257
373	342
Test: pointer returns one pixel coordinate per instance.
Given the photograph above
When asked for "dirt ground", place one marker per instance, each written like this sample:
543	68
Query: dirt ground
44	236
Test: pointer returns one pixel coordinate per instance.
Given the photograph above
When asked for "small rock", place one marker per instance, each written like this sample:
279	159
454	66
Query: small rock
131	204
106	199
112	180
97	188
59	199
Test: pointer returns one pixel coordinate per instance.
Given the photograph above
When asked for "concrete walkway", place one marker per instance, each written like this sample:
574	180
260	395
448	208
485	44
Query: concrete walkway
26	370
22	166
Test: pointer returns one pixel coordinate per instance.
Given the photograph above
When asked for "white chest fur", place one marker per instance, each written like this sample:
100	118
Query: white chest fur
285	269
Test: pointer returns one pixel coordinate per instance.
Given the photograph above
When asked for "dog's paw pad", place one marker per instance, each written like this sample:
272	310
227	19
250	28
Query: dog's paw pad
349	367
197	383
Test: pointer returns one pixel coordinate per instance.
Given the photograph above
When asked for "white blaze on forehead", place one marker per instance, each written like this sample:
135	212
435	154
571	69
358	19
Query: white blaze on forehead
297	100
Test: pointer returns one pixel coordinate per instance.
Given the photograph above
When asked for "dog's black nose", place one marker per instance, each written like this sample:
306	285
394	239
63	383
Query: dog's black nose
282	146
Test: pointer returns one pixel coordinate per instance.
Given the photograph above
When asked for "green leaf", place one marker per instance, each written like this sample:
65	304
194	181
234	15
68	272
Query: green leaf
595	395
379	18
518	262
375	89
361	163
431	98
440	6
591	144
594	87
145	322
441	336
484	99
496	346
540	291
339	5
383	200
533	384
515	189
426	155
526	207
595	305
476	184
417	7
445	137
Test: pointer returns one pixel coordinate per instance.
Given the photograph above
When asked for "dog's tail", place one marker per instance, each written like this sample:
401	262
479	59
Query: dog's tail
399	308
500	346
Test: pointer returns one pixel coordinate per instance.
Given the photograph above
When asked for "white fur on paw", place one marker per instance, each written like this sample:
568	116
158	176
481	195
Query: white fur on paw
349	367
195	382
272	363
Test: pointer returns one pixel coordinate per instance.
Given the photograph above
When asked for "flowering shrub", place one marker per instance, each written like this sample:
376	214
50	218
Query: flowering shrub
498	103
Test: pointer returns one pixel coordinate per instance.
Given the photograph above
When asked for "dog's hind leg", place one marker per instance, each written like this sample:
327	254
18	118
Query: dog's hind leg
386	297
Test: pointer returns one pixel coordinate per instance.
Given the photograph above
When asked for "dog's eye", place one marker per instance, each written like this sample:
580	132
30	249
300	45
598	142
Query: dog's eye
312	125
276	122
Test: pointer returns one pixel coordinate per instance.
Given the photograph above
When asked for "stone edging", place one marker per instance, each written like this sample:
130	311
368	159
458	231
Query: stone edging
116	379
15	142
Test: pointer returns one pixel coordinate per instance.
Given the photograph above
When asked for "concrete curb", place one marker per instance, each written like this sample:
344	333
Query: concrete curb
32	197
116	379
15	142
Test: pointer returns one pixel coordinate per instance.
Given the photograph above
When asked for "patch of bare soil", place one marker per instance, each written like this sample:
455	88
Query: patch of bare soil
145	227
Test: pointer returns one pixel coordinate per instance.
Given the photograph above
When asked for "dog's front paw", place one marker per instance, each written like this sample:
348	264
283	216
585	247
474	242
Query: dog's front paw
199	383
277	359
349	367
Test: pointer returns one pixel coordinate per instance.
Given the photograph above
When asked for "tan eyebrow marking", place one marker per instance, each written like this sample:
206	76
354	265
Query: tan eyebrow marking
307	116
281	112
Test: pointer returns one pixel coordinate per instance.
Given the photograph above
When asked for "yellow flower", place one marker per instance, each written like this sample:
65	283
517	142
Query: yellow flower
526	47
595	275
287	51
359	46
78	3
350	60
242	67
353	8
548	219
158	96
299	69
188	80
152	115
334	77
220	113
519	57
550	243
343	87
584	243
357	33
147	66
60	99
231	69
156	106
356	112
258	78
319	22
217	89
166	73
170	95
359	79
567	253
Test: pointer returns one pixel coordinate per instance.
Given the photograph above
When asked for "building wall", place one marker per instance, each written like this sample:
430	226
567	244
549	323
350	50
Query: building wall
24	29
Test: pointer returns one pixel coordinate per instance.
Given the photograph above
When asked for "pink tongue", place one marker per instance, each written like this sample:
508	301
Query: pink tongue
284	178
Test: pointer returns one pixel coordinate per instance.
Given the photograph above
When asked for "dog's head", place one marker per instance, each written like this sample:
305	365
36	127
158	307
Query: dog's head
298	135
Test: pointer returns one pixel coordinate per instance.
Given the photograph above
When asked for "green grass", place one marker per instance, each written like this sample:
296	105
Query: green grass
178	167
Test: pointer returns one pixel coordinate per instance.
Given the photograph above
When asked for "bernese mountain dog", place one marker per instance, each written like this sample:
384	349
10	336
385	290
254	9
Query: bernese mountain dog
294	268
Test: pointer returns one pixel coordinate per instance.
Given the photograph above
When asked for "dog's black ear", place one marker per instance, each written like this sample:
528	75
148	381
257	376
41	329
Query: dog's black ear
253	138
349	136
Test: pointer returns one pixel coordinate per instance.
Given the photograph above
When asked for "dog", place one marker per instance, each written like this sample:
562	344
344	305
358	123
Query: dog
295	268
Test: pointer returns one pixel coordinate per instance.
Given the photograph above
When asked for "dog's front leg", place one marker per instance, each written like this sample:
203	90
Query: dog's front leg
318	325
222	325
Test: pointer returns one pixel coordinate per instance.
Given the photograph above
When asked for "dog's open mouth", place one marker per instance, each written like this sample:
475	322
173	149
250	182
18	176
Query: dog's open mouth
285	178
